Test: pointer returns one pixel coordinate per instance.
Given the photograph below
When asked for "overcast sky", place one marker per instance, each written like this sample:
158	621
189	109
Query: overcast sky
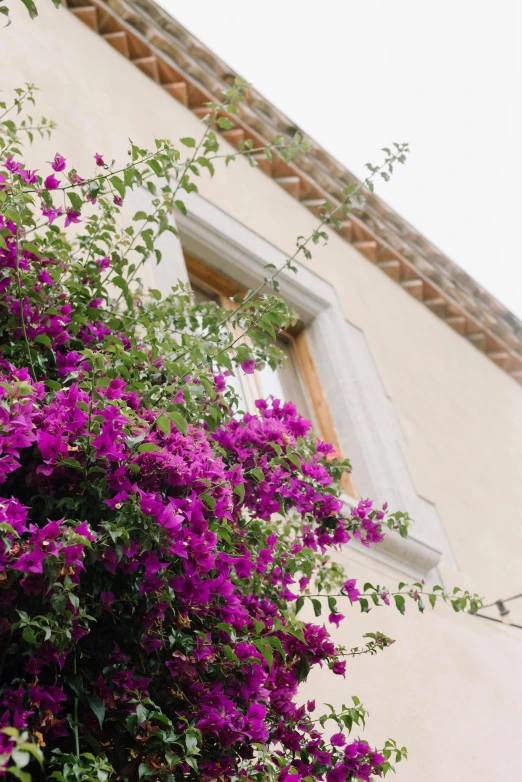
444	76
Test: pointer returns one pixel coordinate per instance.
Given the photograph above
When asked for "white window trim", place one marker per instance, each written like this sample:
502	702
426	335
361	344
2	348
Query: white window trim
368	428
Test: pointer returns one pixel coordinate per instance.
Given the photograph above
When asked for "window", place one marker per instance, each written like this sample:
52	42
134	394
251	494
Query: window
284	382
297	380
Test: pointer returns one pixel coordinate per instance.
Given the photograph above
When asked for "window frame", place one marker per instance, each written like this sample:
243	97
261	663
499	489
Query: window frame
368	428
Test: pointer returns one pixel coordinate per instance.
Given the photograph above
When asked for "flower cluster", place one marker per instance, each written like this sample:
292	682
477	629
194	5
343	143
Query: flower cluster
156	544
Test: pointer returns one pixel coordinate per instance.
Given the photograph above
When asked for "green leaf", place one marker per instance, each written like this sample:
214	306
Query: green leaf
266	651
229	654
209	500
20	758
29	636
155	167
433	599
33	749
365	608
274	641
258	474
400	602
163	423
318	607
71	462
33	12
179	422
76	201
294	458
226	628
299	603
23	776
74	599
303	669
141	713
191	761
188	142
44	339
76	684
98	707
59	602
191	742
240	491
332	604
148	448
118	185
224	123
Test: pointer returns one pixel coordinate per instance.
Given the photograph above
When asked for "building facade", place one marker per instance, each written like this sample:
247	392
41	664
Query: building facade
400	359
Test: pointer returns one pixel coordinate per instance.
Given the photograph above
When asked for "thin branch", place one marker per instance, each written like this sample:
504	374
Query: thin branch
21	304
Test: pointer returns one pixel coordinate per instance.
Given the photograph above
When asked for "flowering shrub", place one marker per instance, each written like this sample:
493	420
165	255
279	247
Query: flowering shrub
157	543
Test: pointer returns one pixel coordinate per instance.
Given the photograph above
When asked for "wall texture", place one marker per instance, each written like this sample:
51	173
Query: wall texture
449	680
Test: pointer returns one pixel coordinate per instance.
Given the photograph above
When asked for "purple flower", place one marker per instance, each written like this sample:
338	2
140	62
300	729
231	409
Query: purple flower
12	165
288	775
45	277
338	740
115	388
350	589
69	362
310	705
118	200
31	561
337	774
51	183
29	177
339	667
84	530
106	600
220	384
52	214
71	216
103	263
335	619
248	366
99	160
58	164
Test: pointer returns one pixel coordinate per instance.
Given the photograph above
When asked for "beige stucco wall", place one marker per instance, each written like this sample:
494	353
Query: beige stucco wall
448	681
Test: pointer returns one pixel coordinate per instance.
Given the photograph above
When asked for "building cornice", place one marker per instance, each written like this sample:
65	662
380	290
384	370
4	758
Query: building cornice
168	54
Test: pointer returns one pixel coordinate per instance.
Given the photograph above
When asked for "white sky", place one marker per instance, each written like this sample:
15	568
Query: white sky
444	76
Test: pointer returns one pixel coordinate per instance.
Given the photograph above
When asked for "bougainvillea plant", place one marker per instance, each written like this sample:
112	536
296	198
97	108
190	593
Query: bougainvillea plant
157	543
